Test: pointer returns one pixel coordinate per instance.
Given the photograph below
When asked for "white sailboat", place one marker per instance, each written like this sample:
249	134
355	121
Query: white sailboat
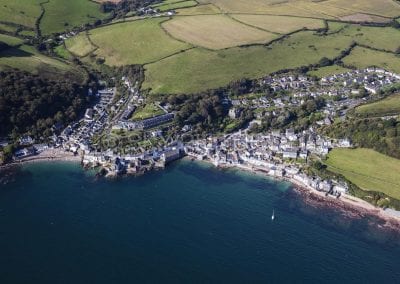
273	215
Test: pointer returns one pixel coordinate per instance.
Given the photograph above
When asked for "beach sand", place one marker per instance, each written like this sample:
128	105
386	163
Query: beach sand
47	155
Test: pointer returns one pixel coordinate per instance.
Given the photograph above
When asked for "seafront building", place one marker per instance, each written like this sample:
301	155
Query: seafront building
281	154
272	153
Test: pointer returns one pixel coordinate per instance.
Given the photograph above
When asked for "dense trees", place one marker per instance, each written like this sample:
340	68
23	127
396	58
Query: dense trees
325	62
206	111
380	135
31	104
122	8
135	73
299	118
3	46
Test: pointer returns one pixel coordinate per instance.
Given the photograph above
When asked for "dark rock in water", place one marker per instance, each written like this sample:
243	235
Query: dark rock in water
9	174
102	172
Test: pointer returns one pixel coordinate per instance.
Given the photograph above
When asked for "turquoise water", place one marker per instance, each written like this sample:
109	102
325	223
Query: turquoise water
188	224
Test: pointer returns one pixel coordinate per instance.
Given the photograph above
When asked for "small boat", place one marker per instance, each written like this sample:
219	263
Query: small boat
273	215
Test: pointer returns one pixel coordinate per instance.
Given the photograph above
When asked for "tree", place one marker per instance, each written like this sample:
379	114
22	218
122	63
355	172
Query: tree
3	46
325	62
30	104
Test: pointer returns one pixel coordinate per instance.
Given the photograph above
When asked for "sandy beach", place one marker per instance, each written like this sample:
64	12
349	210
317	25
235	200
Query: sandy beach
47	155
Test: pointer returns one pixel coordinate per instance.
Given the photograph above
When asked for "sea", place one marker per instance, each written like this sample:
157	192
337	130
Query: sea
190	223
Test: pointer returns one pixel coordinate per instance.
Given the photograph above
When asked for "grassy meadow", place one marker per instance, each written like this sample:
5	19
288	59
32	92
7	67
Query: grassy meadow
179	56
272	7
27	58
135	42
387	106
328	70
279	24
380	38
149	110
22	12
363	58
206	9
328	9
221	31
217	41
199	69
166	2
385	8
10	40
176	5
60	14
367	169
8	28
80	45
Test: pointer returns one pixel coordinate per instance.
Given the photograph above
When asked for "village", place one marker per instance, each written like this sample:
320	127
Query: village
342	92
281	154
278	154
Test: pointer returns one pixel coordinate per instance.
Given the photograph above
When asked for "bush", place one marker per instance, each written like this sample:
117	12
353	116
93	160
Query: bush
325	62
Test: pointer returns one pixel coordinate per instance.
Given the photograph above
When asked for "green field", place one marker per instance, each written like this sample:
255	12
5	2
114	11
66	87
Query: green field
368	169
173	66
149	110
328	70
309	8
380	38
8	28
62	14
62	52
363	58
80	45
10	40
270	7
176	5
199	69
222	40
166	2
25	57
59	14
135	42
28	33
207	9
22	12
222	31
279	24
387	106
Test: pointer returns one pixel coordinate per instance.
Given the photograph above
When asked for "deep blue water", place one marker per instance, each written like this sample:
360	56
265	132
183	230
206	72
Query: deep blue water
188	224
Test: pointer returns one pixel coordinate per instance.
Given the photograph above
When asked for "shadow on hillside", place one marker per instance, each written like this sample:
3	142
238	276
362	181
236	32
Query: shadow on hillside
14	52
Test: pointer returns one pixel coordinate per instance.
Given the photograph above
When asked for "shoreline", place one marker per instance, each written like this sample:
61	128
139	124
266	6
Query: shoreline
353	207
49	155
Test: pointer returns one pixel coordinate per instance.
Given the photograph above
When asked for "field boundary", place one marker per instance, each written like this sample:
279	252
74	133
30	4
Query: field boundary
376	49
363	175
307	10
95	47
39	19
167	33
361	11
249	25
266	44
365	47
170	55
